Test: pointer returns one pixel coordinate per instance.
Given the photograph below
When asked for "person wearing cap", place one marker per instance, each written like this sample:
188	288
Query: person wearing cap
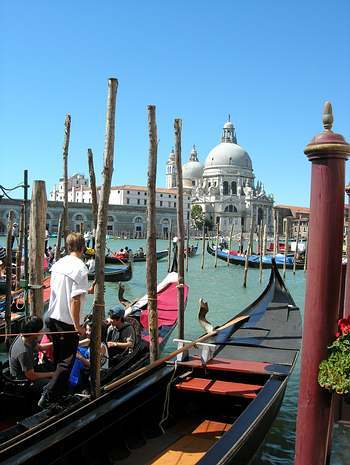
69	287
120	334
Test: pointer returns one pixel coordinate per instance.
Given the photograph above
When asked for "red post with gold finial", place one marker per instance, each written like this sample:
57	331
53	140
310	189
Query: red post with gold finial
346	312
327	152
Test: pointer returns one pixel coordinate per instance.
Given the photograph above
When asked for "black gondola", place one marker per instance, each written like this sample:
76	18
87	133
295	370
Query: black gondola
112	259
254	260
44	436
116	274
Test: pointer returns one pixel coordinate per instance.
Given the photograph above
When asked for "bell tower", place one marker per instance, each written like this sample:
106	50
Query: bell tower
171	171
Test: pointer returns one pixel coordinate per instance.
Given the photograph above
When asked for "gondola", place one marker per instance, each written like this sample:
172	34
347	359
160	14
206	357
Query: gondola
192	251
46	435
116	274
254	260
213	407
114	259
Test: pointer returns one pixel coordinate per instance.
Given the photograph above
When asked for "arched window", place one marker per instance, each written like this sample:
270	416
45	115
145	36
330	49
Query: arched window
138	219
48	216
110	219
79	218
225	188
233	188
260	215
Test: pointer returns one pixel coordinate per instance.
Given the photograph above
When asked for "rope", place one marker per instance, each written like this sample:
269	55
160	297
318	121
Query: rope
165	414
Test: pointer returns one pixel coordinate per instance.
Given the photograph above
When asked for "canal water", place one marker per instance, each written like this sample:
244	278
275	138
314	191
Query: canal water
222	288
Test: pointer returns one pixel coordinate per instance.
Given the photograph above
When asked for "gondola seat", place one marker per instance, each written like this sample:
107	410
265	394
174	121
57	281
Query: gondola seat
213	386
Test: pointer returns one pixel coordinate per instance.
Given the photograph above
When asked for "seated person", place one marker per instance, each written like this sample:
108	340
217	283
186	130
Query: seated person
120	337
79	375
91	265
21	354
140	252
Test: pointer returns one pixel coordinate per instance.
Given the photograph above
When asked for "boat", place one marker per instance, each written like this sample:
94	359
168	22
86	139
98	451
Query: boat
117	258
115	274
192	251
254	260
47	434
213	407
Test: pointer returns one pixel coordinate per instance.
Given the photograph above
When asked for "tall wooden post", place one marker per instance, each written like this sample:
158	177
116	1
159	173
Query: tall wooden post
170	244
180	230
262	249
93	188
241	242
151	262
8	273
274	235
346	312
203	247
187	244
245	276
20	249
37	228
327	152
296	246
67	123
59	236
217	245
100	250
286	231
230	245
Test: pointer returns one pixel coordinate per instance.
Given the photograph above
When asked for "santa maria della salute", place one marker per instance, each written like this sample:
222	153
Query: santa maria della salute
224	186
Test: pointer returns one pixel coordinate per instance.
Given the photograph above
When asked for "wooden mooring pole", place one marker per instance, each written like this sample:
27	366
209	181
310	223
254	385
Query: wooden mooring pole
170	238
217	245
93	188
203	247
187	244
67	123
37	228
346	311
249	248
100	250
327	152
151	261
230	245
59	236
180	230
286	231
262	234
296	246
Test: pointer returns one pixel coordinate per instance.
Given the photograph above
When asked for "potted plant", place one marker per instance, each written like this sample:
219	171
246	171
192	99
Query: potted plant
334	372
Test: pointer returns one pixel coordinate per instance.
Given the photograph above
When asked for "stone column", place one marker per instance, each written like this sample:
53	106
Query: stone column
327	152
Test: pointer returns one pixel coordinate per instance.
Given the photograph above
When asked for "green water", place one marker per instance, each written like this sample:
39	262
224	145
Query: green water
222	288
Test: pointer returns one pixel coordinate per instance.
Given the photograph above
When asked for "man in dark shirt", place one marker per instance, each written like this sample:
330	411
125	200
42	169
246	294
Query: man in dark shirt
21	354
120	334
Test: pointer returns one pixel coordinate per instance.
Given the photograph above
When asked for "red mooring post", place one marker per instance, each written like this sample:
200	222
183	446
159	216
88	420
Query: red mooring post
327	152
346	308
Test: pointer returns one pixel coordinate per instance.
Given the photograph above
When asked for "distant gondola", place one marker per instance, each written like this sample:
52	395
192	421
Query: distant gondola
254	260
113	258
116	274
208	409
51	433
192	251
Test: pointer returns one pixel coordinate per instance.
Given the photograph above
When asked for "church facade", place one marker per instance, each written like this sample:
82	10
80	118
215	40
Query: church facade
224	186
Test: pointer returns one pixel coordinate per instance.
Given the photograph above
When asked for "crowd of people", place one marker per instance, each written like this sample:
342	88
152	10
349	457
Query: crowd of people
66	346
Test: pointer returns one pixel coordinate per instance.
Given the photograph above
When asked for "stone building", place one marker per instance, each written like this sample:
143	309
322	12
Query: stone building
224	186
123	220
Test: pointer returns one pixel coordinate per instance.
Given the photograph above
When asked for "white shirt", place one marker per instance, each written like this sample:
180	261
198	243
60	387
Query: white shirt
69	278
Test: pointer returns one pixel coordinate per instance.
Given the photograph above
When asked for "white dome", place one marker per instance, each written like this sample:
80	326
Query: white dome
228	154
192	170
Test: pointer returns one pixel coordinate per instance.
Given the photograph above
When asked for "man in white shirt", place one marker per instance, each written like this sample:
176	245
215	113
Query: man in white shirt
69	286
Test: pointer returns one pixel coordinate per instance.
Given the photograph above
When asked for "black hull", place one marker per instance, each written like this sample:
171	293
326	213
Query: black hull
114	277
233	260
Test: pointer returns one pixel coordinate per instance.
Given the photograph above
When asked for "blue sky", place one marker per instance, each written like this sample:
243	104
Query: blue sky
270	64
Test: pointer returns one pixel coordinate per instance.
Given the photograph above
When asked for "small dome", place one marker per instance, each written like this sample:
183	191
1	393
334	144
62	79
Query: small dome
228	154
192	170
